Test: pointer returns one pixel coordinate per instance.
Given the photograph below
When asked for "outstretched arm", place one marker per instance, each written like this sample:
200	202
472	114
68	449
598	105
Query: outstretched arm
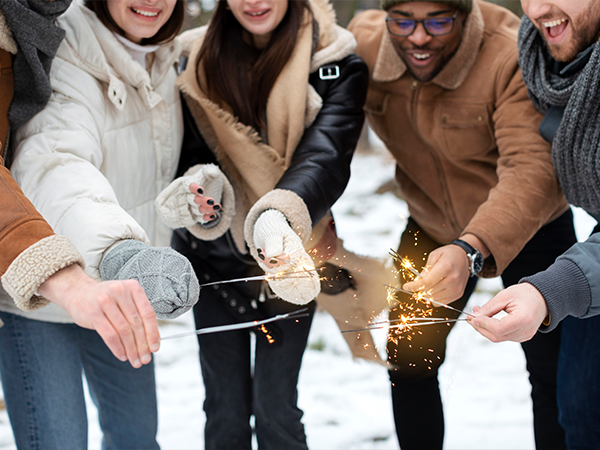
118	310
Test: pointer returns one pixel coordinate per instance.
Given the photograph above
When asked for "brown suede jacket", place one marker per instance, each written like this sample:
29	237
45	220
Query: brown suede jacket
469	155
30	252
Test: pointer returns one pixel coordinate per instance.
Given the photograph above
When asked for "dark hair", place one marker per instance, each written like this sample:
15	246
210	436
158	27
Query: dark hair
167	32
237	73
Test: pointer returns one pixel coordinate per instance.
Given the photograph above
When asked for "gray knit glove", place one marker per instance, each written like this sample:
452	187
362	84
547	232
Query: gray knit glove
166	276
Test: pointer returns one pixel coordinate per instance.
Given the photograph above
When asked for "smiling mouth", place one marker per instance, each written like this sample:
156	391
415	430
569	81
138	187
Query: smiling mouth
556	27
421	56
257	14
144	13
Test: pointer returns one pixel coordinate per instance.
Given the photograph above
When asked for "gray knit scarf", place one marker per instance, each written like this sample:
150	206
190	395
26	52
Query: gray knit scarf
37	38
576	146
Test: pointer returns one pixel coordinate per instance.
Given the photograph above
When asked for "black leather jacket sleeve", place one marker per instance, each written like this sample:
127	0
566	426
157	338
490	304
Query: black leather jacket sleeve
320	168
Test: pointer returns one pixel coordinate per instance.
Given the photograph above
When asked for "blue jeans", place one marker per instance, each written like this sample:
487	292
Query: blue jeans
579	382
41	365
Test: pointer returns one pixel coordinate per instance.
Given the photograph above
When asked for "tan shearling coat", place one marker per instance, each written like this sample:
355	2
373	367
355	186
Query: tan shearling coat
469	155
30	252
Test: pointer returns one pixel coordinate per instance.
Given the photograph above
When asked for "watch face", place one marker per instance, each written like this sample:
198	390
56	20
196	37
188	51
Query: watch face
477	263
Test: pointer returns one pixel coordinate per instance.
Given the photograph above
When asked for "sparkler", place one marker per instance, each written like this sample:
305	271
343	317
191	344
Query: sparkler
243	325
418	322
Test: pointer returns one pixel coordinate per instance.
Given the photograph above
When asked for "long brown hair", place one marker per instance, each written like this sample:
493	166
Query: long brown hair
166	33
239	74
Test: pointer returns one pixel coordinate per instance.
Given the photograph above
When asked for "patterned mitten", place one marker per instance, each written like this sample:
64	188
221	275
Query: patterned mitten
176	207
166	276
277	243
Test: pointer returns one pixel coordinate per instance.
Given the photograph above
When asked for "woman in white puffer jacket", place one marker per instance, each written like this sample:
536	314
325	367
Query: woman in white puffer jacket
92	162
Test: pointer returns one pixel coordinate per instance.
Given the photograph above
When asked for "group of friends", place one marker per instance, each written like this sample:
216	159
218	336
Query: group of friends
144	163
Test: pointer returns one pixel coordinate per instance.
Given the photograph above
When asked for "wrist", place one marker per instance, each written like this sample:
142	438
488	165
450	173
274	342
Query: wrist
65	285
474	257
477	244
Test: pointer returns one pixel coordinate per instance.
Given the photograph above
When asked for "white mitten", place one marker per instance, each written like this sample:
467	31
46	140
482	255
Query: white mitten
176	207
274	238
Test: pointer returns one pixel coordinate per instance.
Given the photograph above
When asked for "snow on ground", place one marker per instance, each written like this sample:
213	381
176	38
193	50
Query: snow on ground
347	403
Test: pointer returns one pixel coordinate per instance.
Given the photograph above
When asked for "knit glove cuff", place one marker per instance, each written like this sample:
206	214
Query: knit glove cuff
166	276
176	207
273	234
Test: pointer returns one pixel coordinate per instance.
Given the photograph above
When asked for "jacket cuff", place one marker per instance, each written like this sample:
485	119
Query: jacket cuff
34	266
290	205
565	289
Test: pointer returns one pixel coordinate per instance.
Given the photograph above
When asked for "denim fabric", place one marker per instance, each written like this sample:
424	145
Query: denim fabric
41	364
416	361
579	382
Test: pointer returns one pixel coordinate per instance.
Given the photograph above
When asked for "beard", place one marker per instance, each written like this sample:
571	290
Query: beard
586	33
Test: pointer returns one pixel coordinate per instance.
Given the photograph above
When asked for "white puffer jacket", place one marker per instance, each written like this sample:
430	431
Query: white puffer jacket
94	160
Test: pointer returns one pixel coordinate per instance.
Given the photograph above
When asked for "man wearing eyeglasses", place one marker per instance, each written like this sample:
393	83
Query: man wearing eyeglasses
447	98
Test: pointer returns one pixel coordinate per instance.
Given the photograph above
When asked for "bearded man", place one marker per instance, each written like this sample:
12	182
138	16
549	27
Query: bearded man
560	58
447	98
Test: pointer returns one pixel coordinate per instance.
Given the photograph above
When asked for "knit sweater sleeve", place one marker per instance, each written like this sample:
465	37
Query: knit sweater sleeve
571	285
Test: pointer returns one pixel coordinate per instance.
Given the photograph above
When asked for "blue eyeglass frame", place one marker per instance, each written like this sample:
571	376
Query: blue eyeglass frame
424	22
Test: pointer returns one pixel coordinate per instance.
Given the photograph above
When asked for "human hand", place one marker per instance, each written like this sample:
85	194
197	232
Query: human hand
118	311
167	277
445	276
279	249
526	309
196	198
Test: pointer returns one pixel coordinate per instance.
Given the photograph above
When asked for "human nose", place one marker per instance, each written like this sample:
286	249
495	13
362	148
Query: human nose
535	9
419	37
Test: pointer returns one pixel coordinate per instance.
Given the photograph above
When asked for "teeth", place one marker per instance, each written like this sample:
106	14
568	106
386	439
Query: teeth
145	13
554	23
421	55
258	14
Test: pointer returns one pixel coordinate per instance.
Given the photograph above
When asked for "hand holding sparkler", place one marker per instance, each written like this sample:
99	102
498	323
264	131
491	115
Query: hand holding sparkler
280	251
526	309
446	273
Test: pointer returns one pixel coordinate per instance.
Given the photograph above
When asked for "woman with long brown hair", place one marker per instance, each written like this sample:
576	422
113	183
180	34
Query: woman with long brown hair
273	111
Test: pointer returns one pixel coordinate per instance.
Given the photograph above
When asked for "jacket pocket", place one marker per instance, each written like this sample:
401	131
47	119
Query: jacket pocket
466	129
376	107
376	102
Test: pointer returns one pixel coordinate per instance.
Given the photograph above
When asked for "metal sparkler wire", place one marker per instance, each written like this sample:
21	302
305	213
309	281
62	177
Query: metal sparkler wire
284	275
429	299
406	325
303	312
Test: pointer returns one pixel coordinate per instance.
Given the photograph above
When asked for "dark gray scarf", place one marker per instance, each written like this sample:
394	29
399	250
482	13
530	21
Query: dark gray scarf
576	146
37	38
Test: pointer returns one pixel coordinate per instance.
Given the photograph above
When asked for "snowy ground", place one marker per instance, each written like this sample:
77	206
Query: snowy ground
346	403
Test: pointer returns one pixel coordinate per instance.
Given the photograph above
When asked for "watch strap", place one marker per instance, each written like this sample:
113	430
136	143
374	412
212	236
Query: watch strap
465	246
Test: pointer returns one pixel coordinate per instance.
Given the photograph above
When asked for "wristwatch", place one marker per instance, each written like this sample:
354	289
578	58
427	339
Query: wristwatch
473	254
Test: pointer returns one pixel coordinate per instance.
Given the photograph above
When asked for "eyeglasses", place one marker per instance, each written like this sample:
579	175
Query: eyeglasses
438	26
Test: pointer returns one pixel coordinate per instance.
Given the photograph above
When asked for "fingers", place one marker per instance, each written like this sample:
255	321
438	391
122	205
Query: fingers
206	205
148	316
273	261
129	328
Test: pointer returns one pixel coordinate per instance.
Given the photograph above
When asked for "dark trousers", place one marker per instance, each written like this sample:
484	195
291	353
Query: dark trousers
579	381
416	357
240	384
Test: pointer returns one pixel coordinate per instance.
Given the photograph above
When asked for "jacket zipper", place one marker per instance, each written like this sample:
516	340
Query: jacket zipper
449	211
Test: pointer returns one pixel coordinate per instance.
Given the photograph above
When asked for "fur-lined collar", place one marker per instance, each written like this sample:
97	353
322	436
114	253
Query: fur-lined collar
390	67
7	41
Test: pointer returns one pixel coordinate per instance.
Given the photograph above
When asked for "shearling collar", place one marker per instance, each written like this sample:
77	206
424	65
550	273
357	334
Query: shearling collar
7	41
390	67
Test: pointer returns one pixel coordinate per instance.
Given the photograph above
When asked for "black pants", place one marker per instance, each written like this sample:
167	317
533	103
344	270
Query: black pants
235	388
416	357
